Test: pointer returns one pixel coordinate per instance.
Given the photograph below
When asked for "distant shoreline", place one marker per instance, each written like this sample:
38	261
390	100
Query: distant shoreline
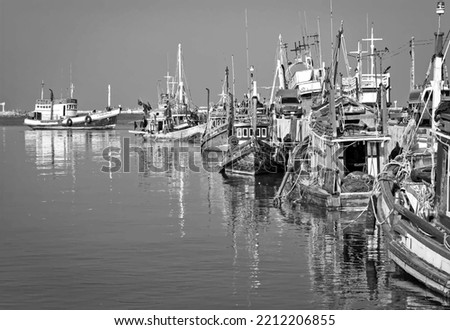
12	114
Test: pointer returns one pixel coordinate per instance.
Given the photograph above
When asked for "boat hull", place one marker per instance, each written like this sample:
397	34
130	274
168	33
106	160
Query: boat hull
187	134
96	121
215	140
253	157
348	201
415	245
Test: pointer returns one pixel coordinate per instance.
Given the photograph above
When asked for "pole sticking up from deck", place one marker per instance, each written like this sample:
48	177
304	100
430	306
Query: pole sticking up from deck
51	105
372	50
254	98
70	82
246	47
232	74
412	82
42	90
318	41
333	112
207	105
331	28
109	96
437	79
180	80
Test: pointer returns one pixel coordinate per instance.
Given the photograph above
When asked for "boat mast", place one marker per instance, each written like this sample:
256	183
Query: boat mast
42	90
412	78
246	47
437	79
359	53
232	73
180	74
51	105
70	82
318	42
254	99
372	51
109	96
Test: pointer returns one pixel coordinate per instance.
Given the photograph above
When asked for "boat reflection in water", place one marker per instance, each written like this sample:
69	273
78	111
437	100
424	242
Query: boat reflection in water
56	152
159	236
348	265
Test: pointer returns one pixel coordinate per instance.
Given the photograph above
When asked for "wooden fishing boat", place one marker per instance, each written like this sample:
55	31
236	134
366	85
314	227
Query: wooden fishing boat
335	166
176	118
412	202
250	150
63	114
215	136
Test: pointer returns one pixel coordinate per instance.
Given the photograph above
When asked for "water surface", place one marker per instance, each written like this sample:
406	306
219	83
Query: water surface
74	237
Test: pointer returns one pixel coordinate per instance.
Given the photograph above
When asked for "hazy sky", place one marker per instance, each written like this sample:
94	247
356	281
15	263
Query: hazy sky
130	43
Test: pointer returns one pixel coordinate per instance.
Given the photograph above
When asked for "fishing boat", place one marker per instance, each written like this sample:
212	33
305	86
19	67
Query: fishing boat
412	198
215	136
250	150
336	164
175	118
63	113
299	86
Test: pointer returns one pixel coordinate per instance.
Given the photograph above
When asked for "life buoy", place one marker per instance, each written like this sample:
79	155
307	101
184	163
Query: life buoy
88	119
69	122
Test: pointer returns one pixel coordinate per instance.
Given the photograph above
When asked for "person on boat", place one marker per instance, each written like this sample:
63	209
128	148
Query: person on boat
144	123
395	152
135	125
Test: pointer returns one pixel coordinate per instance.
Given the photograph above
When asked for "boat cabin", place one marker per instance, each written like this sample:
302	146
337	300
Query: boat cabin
46	109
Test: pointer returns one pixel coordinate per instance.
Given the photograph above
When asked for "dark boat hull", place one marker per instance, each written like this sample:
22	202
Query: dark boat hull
250	158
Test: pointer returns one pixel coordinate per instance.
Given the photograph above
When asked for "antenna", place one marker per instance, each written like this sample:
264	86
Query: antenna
70	82
232	73
318	40
42	90
246	45
413	78
372	49
331	28
440	9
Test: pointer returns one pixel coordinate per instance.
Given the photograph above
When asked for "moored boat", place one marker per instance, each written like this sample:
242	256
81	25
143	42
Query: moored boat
215	136
336	164
176	118
412	201
51	114
250	149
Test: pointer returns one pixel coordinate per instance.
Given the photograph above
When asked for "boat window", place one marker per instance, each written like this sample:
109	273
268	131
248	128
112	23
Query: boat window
264	132
286	100
257	132
245	132
239	133
251	132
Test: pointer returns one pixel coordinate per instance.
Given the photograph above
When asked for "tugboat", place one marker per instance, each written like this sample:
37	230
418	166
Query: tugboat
56	114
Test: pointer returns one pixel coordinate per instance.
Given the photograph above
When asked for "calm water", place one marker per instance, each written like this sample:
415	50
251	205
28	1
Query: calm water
74	237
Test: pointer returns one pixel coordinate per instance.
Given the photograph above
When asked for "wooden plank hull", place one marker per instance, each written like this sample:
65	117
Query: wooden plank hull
251	158
187	134
343	201
418	247
211	141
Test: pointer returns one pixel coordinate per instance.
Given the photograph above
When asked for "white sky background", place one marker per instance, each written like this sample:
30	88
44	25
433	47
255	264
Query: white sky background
126	43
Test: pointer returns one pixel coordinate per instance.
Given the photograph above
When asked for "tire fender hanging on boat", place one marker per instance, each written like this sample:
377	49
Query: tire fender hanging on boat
88	119
69	122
